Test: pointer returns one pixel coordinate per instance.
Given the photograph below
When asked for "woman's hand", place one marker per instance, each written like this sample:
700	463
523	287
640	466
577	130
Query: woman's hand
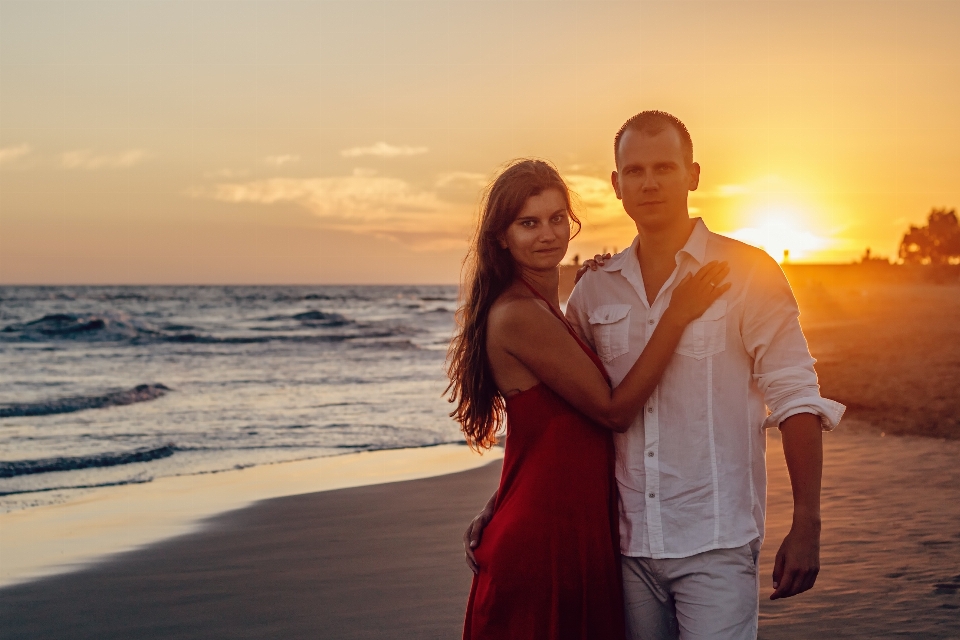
697	291
592	265
471	537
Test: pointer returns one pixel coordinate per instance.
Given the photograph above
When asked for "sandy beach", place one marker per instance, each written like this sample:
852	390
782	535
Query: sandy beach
370	545
385	561
890	351
890	553
382	561
94	526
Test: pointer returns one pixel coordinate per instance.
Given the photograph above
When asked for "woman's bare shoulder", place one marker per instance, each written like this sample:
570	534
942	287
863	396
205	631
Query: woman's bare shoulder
514	310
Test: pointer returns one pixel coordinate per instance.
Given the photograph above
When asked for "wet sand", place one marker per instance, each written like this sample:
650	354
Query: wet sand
890	557
90	527
382	561
385	561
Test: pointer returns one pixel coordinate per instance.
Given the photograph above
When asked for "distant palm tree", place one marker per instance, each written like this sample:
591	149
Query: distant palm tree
936	243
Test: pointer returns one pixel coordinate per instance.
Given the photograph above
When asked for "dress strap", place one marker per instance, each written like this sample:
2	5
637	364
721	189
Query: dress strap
586	348
549	306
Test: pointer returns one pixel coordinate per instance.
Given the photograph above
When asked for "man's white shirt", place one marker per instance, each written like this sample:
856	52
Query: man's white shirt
691	469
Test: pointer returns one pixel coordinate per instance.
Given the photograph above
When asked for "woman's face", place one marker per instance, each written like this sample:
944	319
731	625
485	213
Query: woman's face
538	237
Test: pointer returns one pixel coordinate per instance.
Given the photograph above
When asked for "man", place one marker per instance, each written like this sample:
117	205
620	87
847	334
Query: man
691	469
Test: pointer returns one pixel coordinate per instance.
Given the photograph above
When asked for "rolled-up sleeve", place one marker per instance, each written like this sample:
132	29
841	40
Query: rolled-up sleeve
782	364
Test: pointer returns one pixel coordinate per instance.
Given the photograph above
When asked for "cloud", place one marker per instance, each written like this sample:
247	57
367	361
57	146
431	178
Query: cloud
604	213
464	178
86	159
9	154
723	191
605	224
226	174
383	150
593	192
461	186
281	160
730	190
361	203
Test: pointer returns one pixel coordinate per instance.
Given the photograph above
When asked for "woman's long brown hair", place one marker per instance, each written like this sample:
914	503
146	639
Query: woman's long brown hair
488	271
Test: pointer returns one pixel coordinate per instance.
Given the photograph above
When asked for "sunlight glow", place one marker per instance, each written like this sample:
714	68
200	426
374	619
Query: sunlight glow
778	234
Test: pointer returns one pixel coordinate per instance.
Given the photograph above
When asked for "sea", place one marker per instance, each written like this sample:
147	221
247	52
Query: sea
103	386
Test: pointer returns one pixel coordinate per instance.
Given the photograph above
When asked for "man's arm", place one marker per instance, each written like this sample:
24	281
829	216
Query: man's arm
798	559
783	370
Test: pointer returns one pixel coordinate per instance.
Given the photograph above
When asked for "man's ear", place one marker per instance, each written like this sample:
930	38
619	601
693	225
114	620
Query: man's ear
615	181
694	171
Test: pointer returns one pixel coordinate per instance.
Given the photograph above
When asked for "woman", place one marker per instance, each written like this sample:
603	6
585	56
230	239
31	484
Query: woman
548	566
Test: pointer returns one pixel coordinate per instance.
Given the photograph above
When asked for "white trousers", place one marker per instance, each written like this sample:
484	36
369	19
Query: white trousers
713	595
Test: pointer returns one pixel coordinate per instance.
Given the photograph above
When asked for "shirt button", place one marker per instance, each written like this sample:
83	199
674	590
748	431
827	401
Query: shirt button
650	321
650	454
649	409
652	495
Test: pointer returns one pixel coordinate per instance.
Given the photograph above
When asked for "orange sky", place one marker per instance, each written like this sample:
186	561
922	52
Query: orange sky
284	141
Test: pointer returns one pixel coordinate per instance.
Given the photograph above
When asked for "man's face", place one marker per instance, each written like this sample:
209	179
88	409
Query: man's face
652	178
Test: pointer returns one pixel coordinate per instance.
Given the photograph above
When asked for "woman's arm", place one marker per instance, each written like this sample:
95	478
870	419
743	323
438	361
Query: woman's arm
533	335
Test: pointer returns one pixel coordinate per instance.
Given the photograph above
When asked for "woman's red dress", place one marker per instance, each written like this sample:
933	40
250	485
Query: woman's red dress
549	558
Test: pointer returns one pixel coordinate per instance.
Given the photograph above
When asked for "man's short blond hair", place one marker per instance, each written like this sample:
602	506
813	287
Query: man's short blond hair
653	122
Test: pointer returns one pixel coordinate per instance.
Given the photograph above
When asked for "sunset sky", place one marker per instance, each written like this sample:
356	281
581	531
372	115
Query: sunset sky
276	141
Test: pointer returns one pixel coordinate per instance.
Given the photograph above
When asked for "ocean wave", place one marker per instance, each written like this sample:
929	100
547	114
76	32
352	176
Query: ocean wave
311	327
387	345
206	339
99	327
140	393
355	337
322	319
314	318
341	449
178	327
11	469
70	487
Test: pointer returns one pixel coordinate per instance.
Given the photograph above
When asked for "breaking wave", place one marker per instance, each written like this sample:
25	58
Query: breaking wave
95	327
322	319
309	326
140	393
46	465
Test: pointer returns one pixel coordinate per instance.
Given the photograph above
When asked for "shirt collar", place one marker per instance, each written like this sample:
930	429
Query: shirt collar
695	247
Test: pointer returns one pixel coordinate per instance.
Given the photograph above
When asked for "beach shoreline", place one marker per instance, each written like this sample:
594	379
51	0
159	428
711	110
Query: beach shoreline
386	561
65	537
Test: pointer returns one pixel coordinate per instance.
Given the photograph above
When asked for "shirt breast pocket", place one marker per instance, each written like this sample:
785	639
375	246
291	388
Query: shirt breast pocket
610	324
707	335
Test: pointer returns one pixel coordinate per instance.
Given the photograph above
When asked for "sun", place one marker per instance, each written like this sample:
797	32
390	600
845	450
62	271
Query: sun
779	235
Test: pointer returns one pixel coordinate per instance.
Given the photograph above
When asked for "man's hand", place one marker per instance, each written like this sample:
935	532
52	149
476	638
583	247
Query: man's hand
798	561
471	537
592	265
